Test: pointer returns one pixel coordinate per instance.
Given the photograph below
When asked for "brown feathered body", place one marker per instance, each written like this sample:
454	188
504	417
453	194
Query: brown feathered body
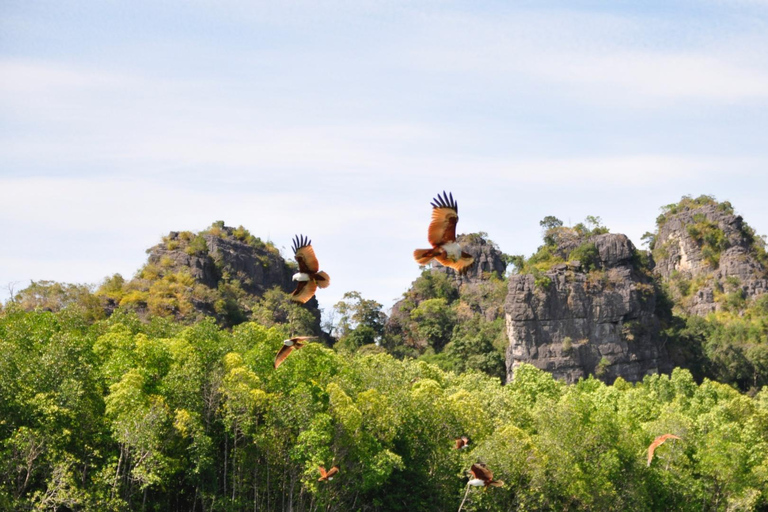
309	277
462	442
327	475
289	346
658	442
442	236
481	475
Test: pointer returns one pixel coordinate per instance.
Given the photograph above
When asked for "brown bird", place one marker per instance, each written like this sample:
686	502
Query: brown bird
309	276
481	475
461	442
289	346
327	475
442	236
658	442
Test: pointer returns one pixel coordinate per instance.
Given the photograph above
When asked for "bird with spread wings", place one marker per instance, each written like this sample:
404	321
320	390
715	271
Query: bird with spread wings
289	346
309	276
481	475
442	236
327	475
658	442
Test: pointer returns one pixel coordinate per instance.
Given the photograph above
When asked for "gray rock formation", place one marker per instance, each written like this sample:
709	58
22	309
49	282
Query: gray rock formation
257	269
679	256
220	257
602	322
488	260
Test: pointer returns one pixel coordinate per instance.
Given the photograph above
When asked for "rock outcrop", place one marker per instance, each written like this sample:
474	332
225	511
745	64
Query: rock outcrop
574	323
706	252
220	272
256	267
489	260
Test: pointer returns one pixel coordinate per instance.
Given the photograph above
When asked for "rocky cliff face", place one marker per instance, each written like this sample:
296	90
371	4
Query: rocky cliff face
575	323
488	260
706	252
221	272
257	268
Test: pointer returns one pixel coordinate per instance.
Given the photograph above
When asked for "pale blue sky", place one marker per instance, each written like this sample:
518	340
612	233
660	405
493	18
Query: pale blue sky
121	121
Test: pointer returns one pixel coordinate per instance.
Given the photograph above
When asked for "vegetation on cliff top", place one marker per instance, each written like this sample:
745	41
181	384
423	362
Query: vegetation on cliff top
562	244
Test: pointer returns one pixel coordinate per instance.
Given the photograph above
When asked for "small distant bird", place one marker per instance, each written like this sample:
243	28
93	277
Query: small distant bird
309	276
327	475
658	442
462	442
289	346
442	236
481	475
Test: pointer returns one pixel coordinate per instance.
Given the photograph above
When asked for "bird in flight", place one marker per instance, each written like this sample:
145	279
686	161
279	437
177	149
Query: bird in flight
309	276
658	442
327	475
289	346
462	442
442	236
481	475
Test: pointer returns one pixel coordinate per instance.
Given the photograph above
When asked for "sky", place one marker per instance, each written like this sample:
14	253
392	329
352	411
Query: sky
341	120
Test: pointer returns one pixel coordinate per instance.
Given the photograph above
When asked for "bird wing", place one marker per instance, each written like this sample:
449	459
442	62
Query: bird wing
496	483
305	255
323	474
282	354
304	291
658	442
332	471
445	215
480	472
459	443
303	338
459	266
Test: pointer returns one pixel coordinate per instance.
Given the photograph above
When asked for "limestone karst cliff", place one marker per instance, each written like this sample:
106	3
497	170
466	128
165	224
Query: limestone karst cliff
708	255
222	272
587	317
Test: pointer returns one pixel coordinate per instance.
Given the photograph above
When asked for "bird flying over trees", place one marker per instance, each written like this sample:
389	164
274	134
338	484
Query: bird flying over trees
442	236
289	346
658	442
327	475
462	442
481	475
309	276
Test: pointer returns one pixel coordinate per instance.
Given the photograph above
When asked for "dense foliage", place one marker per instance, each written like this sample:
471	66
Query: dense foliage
456	327
730	344
123	414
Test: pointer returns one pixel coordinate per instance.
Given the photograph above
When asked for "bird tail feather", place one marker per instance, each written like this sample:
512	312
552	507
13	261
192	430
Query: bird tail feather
322	279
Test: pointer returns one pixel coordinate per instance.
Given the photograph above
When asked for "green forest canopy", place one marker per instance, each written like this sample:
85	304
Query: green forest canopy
122	414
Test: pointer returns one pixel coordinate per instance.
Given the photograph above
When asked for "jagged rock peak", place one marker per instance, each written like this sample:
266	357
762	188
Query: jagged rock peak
223	252
706	252
585	303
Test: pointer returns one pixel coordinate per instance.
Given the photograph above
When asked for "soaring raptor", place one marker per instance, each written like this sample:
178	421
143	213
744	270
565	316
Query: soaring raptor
442	236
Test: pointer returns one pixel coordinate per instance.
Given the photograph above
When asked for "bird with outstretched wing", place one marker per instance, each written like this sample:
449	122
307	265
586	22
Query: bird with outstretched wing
309	277
658	442
289	346
442	236
327	475
481	475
